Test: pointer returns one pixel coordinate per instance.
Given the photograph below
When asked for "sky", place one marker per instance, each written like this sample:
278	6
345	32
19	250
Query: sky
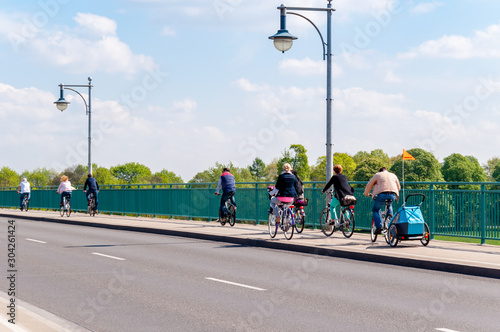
181	85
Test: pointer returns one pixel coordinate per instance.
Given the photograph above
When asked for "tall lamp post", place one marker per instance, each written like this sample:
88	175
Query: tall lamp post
283	41
62	104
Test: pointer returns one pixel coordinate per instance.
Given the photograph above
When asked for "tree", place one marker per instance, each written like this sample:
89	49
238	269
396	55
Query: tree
165	176
132	173
496	173
297	157
271	171
366	168
213	174
458	168
40	176
257	169
425	167
489	168
104	176
318	171
9	177
77	174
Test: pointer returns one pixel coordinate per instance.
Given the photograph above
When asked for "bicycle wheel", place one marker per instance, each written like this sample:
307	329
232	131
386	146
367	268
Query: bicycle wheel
427	235
89	207
288	226
324	222
373	235
27	205
272	225
61	209
392	235
300	221
231	215
347	222
386	230
68	209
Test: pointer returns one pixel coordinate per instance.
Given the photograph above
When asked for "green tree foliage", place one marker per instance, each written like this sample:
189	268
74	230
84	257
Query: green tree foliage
367	164
165	176
318	171
76	174
297	157
458	168
425	167
131	173
257	169
496	173
213	174
40	176
271	171
9	177
489	168
104	176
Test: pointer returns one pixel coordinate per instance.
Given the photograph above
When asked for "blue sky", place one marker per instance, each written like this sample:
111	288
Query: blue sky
181	85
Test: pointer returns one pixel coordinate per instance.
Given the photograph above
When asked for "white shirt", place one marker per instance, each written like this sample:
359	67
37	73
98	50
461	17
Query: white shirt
65	186
25	187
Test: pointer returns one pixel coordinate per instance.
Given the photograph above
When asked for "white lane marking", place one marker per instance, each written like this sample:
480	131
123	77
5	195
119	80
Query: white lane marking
33	240
108	256
444	329
235	284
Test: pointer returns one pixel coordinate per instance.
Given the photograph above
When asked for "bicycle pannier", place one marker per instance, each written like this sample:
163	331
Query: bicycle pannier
348	200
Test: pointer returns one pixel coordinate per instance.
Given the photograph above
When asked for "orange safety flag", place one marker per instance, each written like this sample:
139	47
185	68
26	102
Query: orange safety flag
407	156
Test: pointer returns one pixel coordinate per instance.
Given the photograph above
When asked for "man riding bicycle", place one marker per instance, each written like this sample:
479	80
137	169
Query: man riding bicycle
385	187
228	186
25	190
93	186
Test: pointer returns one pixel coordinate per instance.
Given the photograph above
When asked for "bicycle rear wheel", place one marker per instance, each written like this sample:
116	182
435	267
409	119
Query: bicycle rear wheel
392	235
347	222
272	225
288	226
300	221
324	222
61	209
68	209
231	215
373	235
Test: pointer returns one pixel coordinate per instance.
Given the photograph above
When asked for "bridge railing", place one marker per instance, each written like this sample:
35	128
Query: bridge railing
451	208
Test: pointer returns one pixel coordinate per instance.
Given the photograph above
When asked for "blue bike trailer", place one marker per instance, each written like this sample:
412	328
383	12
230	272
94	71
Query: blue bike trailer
409	219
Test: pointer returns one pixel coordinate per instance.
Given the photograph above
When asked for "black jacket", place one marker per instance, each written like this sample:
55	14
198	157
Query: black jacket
287	185
340	185
91	183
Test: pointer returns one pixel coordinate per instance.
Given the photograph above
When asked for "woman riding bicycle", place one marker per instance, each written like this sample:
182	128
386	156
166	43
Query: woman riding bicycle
341	189
65	189
286	186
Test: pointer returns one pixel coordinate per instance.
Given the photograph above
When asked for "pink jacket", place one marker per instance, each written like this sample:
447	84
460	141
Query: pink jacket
65	186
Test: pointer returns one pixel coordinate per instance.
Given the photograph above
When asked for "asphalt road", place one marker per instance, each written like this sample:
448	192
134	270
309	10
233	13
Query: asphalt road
109	280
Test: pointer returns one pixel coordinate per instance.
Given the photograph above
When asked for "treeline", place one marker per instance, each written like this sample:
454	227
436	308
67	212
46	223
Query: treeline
358	167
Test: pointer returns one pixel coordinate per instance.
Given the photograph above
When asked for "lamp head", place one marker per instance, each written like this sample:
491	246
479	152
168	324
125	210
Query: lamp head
61	104
283	40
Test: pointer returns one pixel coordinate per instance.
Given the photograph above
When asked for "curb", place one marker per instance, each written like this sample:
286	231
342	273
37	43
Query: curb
305	249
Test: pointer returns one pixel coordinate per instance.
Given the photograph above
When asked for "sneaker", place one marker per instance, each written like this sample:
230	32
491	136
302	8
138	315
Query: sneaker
378	230
270	210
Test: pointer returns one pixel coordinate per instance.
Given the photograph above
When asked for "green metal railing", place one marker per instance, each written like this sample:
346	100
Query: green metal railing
471	213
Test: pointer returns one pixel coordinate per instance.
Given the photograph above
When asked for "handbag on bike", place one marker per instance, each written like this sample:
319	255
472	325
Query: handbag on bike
348	200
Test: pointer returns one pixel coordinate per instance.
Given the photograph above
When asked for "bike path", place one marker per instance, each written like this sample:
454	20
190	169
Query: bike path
454	257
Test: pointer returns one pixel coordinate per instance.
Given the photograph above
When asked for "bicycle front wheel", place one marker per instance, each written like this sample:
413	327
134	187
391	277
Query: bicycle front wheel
288	226
68	209
300	221
272	225
347	222
392	235
232	216
324	221
61	210
427	235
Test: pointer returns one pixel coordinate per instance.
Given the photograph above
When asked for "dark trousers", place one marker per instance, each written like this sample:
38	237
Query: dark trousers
22	198
95	196
223	199
68	196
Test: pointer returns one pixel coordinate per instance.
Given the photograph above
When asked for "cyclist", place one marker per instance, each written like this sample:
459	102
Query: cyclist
25	190
341	189
93	186
385	187
300	185
65	188
287	186
228	186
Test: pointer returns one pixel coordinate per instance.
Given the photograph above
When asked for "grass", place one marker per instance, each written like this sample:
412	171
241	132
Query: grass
464	239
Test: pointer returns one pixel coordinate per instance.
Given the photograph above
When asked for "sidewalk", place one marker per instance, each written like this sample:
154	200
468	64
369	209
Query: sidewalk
454	257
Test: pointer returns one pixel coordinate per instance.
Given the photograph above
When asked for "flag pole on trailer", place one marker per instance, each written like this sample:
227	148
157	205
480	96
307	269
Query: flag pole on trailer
406	156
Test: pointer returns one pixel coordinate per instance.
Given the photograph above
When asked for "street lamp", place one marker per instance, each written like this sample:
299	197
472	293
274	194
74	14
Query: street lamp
62	104
283	41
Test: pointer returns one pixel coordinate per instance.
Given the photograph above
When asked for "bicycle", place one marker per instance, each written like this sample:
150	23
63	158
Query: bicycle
386	218
299	214
91	206
346	221
66	207
26	203
287	219
230	214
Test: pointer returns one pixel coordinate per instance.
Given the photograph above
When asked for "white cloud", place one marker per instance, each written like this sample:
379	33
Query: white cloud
426	7
307	67
168	31
484	44
91	46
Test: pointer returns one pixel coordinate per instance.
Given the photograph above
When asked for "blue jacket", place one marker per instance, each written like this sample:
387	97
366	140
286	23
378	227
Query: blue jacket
287	185
226	182
91	183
